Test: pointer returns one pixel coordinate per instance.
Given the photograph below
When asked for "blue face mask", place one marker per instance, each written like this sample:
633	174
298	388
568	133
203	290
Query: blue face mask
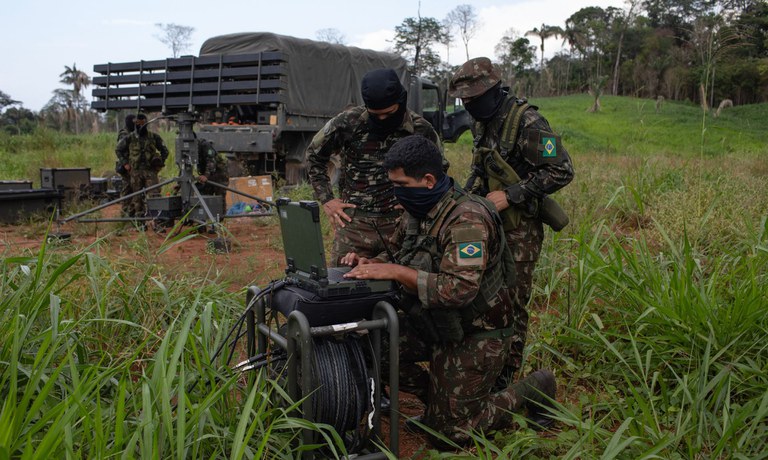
418	201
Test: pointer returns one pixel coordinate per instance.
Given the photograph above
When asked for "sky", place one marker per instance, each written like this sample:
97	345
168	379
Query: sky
39	37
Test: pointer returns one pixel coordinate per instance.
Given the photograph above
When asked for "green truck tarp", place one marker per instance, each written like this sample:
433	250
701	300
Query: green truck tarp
322	78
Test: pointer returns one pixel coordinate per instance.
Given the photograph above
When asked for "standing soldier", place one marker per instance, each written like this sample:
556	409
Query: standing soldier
454	267
125	188
210	166
362	135
143	155
517	162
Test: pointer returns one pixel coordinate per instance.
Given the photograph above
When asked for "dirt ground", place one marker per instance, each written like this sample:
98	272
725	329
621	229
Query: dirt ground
256	258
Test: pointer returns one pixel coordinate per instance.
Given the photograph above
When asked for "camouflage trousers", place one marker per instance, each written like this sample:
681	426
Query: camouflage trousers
455	382
125	189
525	241
361	235
141	178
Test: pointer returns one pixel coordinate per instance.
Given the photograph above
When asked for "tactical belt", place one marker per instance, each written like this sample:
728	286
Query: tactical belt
494	334
355	212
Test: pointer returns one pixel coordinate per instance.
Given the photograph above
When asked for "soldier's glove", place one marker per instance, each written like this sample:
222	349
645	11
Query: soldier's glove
517	197
120	168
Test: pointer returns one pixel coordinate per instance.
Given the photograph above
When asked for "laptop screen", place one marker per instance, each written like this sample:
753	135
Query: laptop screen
302	237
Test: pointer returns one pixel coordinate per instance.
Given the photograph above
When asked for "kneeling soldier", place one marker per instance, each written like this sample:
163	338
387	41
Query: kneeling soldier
454	266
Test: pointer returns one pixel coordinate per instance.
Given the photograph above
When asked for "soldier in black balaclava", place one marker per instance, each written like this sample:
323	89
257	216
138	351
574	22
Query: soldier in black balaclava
364	213
142	154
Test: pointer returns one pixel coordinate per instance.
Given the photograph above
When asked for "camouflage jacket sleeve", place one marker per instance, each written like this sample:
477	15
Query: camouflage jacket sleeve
467	239
543	178
327	141
121	151
160	145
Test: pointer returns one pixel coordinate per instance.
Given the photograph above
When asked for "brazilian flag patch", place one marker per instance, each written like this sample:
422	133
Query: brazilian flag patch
473	250
550	147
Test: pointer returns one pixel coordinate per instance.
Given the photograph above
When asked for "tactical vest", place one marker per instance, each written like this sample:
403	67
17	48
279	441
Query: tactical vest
141	151
421	251
495	170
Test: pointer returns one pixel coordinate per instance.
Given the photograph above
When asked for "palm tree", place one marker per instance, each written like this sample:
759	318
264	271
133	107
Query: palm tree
544	33
79	81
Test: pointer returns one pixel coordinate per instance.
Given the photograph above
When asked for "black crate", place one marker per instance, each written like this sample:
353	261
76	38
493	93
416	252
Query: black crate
215	204
164	207
19	205
15	185
75	182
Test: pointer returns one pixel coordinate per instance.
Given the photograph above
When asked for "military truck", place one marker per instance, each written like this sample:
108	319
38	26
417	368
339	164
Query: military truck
260	97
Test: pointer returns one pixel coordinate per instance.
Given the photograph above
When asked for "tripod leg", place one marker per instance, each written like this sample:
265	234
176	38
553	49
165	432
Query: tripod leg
204	205
118	200
260	200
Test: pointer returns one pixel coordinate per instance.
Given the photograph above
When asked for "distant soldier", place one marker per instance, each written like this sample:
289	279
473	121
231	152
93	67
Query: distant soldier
212	166
517	162
143	154
361	136
125	188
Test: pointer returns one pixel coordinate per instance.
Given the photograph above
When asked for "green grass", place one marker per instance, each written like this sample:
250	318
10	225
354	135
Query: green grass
650	306
632	126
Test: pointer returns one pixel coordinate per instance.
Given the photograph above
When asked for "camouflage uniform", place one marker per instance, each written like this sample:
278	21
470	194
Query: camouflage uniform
146	154
363	181
213	166
456	250
538	177
125	188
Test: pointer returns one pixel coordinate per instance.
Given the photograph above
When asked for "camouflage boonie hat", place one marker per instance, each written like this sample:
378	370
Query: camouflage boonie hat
473	78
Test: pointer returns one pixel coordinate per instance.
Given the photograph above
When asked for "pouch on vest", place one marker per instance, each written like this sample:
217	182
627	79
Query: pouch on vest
500	176
552	214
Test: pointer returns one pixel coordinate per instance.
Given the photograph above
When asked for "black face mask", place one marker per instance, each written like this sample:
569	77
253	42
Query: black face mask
141	130
418	201
483	107
380	129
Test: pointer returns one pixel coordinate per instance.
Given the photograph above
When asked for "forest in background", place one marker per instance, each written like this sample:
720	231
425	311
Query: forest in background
712	53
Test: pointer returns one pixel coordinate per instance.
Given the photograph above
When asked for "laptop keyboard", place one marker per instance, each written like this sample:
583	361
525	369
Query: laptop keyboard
336	274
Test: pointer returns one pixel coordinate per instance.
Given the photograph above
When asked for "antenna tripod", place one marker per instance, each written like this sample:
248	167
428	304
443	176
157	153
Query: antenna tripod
186	159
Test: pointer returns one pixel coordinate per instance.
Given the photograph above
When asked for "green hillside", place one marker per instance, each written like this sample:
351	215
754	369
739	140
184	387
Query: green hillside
632	126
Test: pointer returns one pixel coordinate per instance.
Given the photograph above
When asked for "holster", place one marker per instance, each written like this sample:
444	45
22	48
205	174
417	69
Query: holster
552	214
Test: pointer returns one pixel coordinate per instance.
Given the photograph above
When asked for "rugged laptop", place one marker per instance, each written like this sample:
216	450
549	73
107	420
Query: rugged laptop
305	256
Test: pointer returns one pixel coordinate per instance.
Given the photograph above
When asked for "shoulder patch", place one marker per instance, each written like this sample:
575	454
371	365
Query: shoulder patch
549	147
471	250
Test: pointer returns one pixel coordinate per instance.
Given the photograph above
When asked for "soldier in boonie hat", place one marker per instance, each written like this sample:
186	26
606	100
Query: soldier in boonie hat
511	136
475	77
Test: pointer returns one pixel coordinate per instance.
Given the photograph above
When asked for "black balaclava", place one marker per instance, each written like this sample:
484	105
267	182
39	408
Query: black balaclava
483	107
129	125
381	88
418	201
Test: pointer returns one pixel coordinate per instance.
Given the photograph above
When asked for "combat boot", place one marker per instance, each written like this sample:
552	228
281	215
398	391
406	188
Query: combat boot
537	391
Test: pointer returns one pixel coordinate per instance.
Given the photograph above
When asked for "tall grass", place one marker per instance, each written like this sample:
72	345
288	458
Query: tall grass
650	306
96	363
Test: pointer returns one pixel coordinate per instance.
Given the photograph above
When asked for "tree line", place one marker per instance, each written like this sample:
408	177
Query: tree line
702	51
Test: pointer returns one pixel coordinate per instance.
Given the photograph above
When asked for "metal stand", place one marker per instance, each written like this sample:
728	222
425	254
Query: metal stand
186	160
298	344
